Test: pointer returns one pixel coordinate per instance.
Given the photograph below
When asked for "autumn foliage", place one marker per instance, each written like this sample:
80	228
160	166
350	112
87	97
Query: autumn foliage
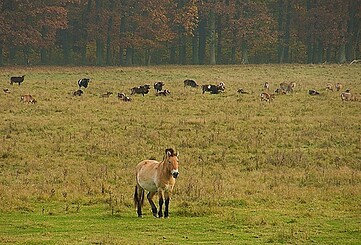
141	32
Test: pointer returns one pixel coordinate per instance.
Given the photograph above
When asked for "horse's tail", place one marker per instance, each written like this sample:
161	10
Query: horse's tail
138	197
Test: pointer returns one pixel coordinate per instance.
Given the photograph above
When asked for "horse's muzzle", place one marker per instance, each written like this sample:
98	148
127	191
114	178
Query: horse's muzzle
175	174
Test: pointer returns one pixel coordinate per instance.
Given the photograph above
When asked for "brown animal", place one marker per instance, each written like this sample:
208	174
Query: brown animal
329	86
27	98
280	91
266	86
347	96
106	95
287	87
156	178
338	86
267	97
79	92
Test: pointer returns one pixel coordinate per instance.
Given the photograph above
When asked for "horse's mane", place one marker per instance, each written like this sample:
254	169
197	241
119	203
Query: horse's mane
172	153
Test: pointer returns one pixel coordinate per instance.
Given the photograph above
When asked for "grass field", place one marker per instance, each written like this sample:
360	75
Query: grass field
251	172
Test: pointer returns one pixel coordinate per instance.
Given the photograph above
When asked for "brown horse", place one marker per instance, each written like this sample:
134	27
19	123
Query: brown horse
156	177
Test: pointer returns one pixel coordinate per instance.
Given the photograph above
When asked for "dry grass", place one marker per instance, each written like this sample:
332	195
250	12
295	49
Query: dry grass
297	155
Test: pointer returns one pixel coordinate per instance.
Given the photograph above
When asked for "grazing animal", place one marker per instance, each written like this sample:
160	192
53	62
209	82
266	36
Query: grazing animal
266	86
347	96
84	82
18	80
266	96
287	87
156	178
242	91
284	86
144	89
338	86
107	94
329	86
313	92
190	83
123	97
27	98
79	92
6	91
158	86
280	91
165	92
213	89
291	87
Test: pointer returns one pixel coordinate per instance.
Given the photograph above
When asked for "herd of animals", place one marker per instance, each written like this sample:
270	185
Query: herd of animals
266	95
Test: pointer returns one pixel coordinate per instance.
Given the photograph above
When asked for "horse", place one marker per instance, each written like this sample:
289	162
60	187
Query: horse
156	177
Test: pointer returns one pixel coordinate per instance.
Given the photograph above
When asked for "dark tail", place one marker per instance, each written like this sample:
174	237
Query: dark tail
138	197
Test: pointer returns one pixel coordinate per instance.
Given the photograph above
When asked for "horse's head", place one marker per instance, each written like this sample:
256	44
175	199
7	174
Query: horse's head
171	160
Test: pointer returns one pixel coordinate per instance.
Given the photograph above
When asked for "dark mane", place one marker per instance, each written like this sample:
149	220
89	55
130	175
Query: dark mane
172	153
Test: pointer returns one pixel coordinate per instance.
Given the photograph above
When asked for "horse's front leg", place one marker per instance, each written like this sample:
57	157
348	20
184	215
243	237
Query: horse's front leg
161	201
150	199
166	208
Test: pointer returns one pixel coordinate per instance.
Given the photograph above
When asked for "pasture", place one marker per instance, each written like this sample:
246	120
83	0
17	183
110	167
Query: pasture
251	172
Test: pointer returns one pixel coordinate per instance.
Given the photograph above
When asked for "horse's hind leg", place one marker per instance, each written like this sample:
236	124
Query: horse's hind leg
139	199
150	199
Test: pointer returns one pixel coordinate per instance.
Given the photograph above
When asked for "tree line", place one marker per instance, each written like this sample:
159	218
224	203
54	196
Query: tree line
152	32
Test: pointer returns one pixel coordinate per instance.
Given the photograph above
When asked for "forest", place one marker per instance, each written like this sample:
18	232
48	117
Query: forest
180	32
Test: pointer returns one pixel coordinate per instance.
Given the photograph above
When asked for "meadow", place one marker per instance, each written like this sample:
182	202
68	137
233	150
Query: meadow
251	172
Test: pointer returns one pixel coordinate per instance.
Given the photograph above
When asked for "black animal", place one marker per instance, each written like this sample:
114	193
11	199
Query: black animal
83	82
18	80
213	89
313	92
158	86
190	83
144	89
78	93
165	92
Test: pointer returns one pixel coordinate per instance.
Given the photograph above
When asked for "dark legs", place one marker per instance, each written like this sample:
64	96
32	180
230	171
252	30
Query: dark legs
139	199
166	212
163	195
150	199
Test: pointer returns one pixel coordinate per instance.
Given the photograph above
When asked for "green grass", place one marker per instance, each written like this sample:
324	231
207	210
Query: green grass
250	172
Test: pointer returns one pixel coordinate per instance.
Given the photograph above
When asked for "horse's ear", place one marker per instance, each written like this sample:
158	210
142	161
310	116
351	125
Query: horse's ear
177	154
169	152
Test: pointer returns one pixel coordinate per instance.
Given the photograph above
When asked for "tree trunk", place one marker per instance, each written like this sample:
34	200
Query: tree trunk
195	55
212	49
129	57
245	59
99	41
122	31
182	49
342	54
309	42
66	46
1	55
219	41
280	31
172	55
202	40
287	33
